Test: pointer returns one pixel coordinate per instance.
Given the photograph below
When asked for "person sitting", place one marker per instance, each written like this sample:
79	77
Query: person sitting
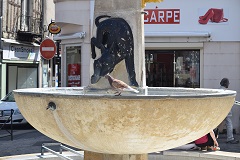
208	142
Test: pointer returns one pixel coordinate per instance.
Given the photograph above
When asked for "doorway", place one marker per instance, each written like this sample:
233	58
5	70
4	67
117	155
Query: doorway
73	63
173	68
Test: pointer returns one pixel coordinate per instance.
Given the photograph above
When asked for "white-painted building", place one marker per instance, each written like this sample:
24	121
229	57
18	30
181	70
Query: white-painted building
187	43
24	25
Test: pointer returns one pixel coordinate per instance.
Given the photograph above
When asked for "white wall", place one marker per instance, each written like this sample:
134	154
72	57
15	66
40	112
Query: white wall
190	10
73	17
49	11
222	59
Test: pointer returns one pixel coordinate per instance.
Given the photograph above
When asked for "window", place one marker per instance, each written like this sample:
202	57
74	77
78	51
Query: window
27	77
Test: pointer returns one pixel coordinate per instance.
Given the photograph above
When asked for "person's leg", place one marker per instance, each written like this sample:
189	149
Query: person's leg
210	140
202	146
229	127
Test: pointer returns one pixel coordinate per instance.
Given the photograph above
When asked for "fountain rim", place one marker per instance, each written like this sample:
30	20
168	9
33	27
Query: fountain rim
52	91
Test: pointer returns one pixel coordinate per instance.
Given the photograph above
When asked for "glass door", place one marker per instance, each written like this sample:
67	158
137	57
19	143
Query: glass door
172	68
159	68
73	66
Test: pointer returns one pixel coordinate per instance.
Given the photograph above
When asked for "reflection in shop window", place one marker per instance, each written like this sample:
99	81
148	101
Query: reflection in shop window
187	69
26	77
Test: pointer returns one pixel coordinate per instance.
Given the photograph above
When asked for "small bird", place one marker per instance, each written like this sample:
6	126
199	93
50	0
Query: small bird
119	85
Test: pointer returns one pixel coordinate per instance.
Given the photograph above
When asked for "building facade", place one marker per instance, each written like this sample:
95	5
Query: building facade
24	26
193	45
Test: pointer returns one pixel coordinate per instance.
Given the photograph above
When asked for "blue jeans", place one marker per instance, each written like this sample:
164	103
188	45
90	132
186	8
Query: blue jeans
229	127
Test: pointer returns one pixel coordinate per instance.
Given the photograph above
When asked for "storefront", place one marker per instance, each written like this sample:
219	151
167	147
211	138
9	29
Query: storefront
75	41
175	39
74	64
19	66
194	45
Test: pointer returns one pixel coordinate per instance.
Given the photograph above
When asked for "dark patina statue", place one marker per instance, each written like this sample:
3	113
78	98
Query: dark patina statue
115	39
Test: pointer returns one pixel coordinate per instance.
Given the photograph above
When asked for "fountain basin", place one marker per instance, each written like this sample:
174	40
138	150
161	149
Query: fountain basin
153	120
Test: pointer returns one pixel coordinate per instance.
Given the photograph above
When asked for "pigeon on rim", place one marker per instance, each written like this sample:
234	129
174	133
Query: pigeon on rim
119	85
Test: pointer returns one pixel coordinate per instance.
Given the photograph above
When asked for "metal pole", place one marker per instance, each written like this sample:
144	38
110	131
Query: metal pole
1	34
58	59
11	125
1	13
56	75
42	19
1	47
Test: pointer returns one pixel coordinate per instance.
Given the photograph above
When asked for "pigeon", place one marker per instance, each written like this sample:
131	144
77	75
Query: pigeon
119	85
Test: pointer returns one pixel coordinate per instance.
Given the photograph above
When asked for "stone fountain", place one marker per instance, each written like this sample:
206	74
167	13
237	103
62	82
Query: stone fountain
96	121
129	126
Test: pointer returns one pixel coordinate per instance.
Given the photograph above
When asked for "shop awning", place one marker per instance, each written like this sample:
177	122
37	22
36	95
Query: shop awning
78	35
17	42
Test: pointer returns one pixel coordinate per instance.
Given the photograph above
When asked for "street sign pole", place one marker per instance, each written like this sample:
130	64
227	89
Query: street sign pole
58	57
56	76
48	51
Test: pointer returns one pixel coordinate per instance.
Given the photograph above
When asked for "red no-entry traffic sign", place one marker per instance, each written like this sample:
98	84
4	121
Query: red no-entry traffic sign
48	49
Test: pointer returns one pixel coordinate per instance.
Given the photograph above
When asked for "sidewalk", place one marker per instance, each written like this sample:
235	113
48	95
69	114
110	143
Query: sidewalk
227	146
29	145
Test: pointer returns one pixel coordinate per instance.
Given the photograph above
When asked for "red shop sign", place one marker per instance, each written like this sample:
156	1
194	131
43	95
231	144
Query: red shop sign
162	16
74	79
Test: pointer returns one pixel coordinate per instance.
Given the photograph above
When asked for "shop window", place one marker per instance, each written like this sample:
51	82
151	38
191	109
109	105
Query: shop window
22	77
179	68
27	78
73	66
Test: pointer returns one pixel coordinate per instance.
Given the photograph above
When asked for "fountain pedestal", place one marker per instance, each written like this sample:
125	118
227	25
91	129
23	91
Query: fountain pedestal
131	11
99	156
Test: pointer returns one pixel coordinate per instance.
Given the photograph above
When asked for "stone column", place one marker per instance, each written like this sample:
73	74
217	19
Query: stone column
131	11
